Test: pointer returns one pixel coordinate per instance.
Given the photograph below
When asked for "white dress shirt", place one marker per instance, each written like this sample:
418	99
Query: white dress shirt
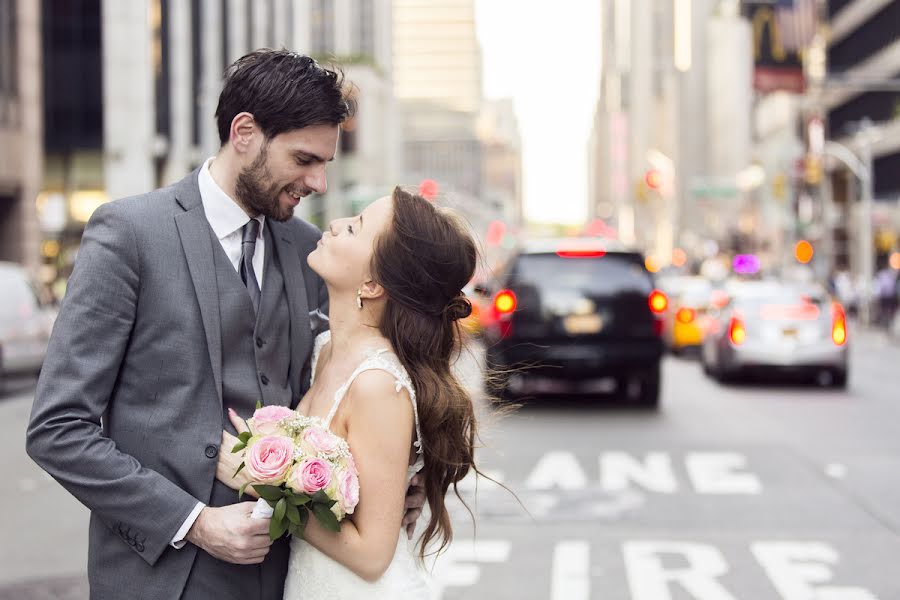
227	220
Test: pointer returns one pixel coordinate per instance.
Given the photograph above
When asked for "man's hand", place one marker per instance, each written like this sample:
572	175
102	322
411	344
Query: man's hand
228	533
415	501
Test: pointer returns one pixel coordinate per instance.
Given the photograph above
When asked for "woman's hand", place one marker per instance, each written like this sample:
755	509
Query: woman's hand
230	461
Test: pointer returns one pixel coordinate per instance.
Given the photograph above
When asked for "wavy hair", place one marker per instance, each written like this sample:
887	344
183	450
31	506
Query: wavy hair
423	261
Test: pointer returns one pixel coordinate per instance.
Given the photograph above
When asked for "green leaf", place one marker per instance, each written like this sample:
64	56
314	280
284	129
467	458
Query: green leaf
292	513
239	469
321	497
241	491
326	517
238	447
298	499
271	493
277	528
259	404
280	507
245	436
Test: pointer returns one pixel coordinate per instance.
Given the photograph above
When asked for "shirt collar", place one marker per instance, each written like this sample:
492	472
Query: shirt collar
223	213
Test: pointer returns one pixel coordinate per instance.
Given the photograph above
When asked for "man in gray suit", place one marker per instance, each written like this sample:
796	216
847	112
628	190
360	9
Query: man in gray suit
186	302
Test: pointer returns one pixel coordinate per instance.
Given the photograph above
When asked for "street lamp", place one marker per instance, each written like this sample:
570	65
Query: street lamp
861	167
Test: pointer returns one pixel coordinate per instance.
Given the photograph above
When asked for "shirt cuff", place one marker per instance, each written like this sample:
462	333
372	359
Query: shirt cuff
178	541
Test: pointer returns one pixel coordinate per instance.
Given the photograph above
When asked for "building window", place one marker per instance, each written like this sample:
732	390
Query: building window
321	24
196	70
364	35
9	85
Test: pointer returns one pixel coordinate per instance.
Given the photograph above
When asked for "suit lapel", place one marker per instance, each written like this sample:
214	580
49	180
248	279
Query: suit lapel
193	228
295	288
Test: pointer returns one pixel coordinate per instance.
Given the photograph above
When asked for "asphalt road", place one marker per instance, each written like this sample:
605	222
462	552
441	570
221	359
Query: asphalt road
755	491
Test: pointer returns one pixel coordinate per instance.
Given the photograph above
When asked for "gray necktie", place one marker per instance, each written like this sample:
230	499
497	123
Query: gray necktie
248	275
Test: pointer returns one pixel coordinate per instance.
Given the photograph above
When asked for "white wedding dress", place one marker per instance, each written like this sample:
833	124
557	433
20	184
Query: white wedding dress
311	574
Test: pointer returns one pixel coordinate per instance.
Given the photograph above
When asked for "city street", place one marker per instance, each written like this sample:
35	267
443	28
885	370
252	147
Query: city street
745	492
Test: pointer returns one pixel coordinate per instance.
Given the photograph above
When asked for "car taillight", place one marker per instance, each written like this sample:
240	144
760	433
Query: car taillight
658	302
838	324
736	332
505	302
580	253
685	315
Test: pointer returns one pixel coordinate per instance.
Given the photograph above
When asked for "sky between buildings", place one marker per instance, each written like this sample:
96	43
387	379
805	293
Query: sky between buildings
546	56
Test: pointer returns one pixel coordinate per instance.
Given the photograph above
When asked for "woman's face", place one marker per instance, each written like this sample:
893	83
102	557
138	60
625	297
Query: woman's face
344	254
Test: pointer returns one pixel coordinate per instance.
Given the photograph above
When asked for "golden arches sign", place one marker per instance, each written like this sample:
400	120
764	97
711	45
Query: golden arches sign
764	17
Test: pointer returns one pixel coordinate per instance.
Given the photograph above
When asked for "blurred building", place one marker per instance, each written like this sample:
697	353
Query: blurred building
133	88
501	146
437	82
861	105
20	131
671	129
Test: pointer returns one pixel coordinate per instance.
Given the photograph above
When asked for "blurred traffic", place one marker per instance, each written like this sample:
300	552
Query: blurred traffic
683	206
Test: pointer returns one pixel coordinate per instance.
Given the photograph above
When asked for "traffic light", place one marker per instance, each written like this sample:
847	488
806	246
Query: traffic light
812	170
428	189
803	252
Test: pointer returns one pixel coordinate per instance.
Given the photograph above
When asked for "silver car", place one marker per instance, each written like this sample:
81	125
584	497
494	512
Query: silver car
768	327
25	323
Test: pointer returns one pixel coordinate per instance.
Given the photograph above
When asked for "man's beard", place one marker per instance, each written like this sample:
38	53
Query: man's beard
251	190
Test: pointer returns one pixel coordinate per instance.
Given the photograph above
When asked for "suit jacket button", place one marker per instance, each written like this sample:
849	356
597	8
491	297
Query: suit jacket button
264	379
211	451
139	547
259	342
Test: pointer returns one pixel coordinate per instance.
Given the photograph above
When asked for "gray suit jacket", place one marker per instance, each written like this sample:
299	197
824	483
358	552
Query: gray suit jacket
128	410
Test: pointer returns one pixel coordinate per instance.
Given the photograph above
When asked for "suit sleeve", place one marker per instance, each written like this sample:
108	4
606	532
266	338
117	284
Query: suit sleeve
65	436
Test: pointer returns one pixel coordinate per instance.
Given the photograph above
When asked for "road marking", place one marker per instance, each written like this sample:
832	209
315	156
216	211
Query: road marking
570	575
649	579
836	470
619	469
454	567
559	469
794	566
715	473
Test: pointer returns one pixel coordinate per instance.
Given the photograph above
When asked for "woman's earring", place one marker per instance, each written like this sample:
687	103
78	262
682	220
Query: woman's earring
359	299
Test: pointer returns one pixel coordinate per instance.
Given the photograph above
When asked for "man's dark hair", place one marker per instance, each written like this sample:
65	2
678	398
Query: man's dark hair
283	91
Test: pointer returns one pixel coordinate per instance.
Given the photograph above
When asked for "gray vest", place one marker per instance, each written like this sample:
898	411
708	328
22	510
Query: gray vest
256	352
256	361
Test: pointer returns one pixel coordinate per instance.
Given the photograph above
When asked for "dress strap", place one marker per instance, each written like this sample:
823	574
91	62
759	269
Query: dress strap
319	343
381	360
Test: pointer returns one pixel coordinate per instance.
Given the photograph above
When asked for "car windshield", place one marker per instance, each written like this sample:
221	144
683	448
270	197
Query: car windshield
599	276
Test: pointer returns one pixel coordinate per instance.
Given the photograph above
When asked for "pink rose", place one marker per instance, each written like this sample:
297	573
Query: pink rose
351	464
310	476
320	440
268	459
348	486
265	420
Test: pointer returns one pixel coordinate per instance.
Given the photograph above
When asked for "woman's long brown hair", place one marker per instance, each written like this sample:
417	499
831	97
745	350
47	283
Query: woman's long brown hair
423	262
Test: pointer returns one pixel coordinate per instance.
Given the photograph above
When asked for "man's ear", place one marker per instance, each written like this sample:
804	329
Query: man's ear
371	290
243	128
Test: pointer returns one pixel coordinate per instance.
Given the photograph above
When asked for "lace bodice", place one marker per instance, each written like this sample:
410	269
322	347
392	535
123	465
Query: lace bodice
314	576
384	360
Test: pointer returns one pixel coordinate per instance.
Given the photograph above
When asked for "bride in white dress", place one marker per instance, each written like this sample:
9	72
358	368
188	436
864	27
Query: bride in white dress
382	381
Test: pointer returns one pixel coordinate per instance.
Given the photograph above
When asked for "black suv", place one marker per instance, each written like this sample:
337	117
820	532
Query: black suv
575	310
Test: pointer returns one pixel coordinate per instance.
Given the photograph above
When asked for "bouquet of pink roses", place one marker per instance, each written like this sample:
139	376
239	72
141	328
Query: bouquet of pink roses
298	467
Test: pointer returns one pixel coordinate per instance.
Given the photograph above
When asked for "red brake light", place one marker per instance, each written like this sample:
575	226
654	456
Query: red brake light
505	302
685	315
658	302
581	253
736	332
838	325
